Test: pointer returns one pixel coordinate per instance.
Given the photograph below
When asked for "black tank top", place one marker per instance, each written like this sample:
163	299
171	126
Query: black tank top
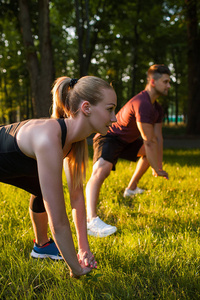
8	142
13	162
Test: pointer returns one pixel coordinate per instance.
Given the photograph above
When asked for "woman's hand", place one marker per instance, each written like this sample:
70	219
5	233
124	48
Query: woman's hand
85	271
86	259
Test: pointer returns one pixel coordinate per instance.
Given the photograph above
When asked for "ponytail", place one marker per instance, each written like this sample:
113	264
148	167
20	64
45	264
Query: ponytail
60	96
78	157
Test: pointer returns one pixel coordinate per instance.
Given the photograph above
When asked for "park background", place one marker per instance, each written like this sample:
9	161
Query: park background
115	40
155	253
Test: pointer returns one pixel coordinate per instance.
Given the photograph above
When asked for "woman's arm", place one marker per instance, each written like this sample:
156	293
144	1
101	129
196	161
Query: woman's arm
49	156
79	216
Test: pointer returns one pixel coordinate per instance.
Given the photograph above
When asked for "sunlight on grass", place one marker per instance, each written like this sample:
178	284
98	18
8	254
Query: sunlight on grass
155	254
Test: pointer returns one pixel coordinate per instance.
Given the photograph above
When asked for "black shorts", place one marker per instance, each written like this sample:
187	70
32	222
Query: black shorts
111	148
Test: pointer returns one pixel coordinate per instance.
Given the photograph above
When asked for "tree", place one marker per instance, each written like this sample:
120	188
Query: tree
92	17
175	44
14	81
39	56
193	34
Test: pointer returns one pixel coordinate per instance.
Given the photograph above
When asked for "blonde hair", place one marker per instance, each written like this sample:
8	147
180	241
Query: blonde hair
66	102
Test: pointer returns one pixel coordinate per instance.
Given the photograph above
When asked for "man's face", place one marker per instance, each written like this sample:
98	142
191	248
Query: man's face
162	85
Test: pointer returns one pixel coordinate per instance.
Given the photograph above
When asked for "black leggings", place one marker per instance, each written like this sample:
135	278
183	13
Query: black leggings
37	204
31	185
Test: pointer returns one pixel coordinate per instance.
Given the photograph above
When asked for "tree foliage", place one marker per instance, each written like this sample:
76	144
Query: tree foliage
117	41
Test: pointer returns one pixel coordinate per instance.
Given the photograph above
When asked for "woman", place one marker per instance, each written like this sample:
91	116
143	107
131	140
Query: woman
32	153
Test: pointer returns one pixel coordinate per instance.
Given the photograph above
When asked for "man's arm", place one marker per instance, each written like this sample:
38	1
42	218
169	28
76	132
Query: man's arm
151	147
159	138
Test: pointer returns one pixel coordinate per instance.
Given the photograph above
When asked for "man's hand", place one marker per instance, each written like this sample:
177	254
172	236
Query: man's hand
160	173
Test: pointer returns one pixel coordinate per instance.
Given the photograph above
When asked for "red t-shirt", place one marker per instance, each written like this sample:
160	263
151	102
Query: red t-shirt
137	109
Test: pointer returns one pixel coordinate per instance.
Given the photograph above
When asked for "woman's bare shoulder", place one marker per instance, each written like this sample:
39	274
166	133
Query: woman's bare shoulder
40	126
37	134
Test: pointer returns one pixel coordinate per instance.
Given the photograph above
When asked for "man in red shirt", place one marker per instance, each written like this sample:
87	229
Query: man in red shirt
137	133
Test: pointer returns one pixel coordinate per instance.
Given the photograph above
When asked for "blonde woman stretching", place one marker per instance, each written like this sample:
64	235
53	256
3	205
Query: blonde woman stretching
32	155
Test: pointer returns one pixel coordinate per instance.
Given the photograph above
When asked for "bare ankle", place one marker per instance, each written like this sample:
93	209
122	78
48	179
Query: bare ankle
132	187
41	242
89	219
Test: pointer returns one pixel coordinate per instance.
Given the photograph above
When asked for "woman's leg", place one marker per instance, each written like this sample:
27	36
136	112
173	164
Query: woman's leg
40	226
39	219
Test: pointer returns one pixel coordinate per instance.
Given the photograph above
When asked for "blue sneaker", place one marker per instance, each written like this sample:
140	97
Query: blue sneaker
49	249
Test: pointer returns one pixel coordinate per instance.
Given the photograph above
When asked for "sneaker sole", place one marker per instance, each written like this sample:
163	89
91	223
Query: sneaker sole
38	255
89	232
132	195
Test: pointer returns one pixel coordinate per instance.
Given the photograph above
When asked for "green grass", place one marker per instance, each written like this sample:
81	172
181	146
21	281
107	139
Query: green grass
155	254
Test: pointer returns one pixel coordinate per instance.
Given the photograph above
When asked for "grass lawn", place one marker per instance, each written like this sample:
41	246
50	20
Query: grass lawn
155	254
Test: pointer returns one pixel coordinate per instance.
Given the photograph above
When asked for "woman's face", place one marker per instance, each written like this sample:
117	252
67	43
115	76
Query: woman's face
103	114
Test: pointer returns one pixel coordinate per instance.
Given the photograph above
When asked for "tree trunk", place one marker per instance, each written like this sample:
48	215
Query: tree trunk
135	44
85	48
193	126
40	69
176	85
79	30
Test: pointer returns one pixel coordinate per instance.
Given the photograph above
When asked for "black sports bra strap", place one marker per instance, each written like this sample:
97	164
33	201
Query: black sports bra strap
63	129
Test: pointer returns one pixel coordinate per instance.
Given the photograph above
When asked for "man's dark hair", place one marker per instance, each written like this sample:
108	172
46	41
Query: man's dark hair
156	71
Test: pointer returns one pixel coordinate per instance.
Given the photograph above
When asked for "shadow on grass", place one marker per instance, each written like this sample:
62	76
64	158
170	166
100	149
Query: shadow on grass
182	157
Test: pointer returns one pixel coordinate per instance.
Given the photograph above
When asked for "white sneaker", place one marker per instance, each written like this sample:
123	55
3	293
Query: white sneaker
99	229
132	193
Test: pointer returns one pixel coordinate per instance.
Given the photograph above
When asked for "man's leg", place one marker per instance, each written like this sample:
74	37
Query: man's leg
141	168
101	170
96	227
